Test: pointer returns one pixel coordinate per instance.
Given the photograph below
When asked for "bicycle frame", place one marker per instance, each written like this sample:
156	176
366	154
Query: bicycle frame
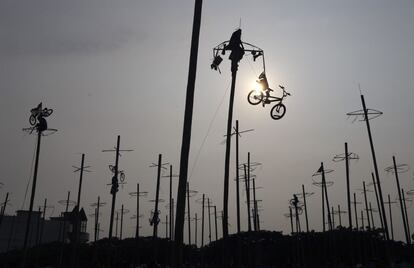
269	99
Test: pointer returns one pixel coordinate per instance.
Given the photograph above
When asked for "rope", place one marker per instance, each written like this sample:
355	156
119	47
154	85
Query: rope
208	132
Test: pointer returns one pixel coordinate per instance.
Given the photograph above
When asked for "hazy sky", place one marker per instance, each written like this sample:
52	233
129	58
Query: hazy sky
111	68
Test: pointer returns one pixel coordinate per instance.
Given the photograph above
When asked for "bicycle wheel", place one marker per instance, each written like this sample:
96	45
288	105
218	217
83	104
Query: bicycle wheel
255	97
47	112
32	120
278	111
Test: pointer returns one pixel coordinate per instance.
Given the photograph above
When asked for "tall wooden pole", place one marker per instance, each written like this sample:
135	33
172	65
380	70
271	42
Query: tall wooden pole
374	159
306	208
114	188
227	155
348	191
185	146
407	235
237	177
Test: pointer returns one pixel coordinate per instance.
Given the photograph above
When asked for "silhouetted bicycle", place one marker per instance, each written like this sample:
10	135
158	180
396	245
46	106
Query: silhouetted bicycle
35	112
278	111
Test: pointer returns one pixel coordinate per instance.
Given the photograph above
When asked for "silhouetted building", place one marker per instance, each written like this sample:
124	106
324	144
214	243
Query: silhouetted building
12	229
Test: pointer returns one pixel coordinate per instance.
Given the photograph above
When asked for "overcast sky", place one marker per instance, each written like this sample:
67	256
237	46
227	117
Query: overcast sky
111	68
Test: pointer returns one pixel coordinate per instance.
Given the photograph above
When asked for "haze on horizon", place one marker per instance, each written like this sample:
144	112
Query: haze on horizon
120	68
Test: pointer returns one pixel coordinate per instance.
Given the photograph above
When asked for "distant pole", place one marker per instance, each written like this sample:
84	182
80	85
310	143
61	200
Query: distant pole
378	202
97	218
171	205
116	224
237	177
215	221
406	215
356	213
189	213
202	223
172	217
326	195
185	145
43	222
166	226
306	209
137	227
407	235
38	226
254	205
3	209
348	191
11	234
77	228
40	125
362	219
372	215
323	207
339	214
392	227
64	231
95	226
291	220
333	218
366	205
195	229
374	159
209	220
155	220
248	191
114	188
32	196
122	221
